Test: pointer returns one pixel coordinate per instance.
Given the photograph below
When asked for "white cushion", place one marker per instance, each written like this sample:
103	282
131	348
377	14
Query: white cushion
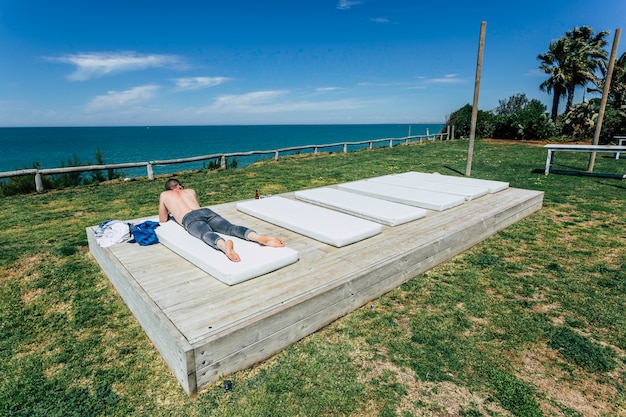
405	195
425	183
375	209
490	185
256	259
319	223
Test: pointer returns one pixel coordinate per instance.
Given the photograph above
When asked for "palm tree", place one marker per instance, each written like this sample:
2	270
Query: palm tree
618	83
617	90
586	56
553	64
571	62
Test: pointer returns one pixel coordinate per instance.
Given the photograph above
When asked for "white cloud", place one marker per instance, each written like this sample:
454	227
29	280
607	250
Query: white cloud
325	89
388	84
346	4
97	64
276	102
446	79
116	99
379	20
246	101
197	83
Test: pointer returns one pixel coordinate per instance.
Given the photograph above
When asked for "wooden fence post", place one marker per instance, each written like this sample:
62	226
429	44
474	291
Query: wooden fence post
223	162
38	182
150	171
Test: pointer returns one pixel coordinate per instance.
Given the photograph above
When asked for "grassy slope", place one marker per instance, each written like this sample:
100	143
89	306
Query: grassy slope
530	322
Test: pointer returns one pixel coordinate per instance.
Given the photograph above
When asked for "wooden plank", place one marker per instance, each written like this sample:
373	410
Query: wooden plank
169	341
321	311
224	329
451	244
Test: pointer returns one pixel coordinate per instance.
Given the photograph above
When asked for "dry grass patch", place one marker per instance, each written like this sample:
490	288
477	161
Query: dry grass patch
424	398
546	370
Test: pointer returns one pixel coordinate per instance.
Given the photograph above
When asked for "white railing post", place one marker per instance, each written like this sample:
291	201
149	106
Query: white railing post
38	182
223	162
150	171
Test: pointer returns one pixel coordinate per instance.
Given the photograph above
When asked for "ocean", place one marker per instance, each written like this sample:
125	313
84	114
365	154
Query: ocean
53	147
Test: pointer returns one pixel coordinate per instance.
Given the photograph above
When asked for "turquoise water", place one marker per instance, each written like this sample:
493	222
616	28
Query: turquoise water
53	147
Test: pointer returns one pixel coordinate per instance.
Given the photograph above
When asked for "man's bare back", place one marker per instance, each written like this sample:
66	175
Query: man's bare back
178	202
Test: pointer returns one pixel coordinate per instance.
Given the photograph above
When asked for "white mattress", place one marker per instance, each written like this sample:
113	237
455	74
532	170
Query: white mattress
328	226
256	259
425	182
405	195
370	208
490	185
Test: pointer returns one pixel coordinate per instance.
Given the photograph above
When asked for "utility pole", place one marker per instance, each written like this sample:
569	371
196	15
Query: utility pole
605	95
479	66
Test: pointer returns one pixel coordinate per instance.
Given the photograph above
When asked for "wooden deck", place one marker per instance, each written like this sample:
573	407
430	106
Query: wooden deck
205	329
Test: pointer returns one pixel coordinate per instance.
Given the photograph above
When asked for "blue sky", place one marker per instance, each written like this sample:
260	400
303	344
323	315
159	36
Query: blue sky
103	63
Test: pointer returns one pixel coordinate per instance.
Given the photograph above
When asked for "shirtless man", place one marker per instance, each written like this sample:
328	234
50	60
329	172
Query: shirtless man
203	223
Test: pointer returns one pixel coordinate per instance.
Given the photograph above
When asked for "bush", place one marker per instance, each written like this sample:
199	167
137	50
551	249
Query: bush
101	176
462	120
530	121
24	184
614	123
514	118
520	118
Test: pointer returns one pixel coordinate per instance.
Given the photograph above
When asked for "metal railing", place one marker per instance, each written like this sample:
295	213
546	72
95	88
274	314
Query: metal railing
39	173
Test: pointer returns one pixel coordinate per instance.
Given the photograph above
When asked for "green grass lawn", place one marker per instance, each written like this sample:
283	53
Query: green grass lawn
530	322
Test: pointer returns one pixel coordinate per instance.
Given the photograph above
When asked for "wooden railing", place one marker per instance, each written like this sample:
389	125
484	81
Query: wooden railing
39	173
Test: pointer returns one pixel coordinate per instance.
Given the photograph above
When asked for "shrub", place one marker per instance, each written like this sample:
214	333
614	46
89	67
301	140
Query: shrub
580	121
519	118
462	120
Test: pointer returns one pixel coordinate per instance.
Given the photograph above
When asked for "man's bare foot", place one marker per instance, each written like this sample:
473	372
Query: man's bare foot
271	241
230	251
228	248
266	240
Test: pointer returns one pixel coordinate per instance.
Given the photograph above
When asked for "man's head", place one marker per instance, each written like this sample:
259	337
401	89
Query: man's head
172	184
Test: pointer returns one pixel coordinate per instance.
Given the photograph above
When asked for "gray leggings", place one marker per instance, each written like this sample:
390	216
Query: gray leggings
204	224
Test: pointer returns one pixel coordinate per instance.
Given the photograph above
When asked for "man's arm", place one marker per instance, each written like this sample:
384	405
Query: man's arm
164	213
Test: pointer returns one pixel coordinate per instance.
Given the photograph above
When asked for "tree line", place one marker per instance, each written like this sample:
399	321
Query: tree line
577	60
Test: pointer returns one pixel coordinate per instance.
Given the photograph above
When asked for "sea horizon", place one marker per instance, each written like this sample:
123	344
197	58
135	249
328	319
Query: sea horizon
57	146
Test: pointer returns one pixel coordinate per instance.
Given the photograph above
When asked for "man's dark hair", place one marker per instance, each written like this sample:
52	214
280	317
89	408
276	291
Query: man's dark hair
171	183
